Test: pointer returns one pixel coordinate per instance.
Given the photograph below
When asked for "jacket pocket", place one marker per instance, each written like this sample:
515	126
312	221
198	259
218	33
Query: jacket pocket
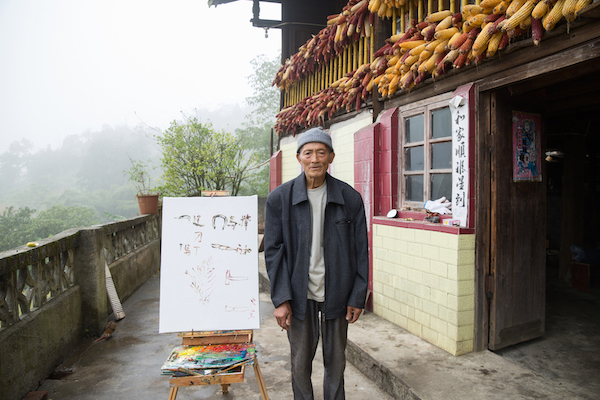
342	222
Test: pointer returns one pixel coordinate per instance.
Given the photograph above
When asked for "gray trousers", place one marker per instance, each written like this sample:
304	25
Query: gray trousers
304	337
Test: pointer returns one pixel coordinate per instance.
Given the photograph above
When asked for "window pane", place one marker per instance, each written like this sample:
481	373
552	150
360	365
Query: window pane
441	155
441	123
415	128
414	188
414	158
441	185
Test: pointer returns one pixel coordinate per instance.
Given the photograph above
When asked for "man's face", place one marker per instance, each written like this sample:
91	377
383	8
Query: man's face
315	158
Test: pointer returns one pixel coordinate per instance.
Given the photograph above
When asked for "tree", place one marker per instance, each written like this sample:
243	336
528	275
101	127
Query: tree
19	226
59	218
257	129
15	227
195	157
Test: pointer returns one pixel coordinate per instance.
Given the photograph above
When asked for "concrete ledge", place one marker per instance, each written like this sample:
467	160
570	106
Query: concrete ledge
381	375
130	272
32	348
408	367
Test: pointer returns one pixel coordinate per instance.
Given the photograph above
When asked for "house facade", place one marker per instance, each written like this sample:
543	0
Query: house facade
505	129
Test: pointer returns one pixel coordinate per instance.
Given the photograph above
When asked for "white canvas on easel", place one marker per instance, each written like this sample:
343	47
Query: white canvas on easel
209	264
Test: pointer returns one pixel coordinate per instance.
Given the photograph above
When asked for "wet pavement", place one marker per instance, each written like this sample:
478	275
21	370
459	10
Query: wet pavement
564	364
127	366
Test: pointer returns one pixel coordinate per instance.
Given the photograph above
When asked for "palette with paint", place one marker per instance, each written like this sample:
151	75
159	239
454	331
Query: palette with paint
208	357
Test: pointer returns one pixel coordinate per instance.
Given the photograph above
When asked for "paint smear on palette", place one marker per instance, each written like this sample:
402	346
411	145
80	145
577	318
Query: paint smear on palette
211	356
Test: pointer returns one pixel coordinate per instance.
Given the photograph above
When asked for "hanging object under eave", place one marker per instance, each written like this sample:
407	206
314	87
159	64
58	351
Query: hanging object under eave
217	2
256	21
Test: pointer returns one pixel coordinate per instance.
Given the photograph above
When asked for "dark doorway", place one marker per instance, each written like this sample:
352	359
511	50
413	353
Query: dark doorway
567	352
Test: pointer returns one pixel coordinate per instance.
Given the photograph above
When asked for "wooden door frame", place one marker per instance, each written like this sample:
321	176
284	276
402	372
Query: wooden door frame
484	145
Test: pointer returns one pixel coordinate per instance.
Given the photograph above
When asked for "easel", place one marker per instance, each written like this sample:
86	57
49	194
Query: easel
225	377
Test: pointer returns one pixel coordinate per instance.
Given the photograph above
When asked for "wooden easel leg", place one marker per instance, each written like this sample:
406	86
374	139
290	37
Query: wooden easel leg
225	387
173	393
259	379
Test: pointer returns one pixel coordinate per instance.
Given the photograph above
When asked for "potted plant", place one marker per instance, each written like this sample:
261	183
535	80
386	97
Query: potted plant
140	178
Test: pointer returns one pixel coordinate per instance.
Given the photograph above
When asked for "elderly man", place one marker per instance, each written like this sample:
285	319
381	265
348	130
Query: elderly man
316	254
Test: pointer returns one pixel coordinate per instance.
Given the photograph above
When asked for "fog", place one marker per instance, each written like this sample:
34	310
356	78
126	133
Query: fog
85	86
70	66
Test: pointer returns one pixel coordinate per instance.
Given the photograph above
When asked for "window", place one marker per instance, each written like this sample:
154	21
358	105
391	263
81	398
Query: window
425	154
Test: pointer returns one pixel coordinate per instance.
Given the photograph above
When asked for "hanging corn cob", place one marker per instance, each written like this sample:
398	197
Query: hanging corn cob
441	41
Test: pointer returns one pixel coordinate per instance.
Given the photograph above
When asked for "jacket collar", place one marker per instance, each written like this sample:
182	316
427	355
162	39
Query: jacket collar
334	192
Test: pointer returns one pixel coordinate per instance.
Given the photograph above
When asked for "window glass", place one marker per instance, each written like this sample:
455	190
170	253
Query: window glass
414	157
414	188
441	155
441	123
441	185
415	129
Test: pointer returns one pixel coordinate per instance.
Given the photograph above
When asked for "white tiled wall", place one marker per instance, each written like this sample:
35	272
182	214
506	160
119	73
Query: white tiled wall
423	281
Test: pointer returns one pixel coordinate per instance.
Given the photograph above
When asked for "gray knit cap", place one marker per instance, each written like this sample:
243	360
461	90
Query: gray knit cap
315	135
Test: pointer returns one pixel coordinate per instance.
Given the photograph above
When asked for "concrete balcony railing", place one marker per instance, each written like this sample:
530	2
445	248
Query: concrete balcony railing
53	295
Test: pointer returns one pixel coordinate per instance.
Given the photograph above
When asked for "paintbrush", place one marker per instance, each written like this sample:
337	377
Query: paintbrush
188	371
231	367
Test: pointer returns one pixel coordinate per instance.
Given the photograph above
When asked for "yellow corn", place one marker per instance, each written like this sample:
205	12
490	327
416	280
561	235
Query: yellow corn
369	86
482	39
476	20
429	65
540	10
470	10
382	10
553	16
501	7
513	7
581	4
440	48
417	50
433	44
403	68
520	15
410	60
438	16
453	39
445	34
389	12
493	44
394	83
489	3
526	23
568	10
411	44
395	38
444	24
392	61
374	5
424	55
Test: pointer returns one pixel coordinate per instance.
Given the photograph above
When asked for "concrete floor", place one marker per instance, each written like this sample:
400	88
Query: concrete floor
569	352
564	364
127	366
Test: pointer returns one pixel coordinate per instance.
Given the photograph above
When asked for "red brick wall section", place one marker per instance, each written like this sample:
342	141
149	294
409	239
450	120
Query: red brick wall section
275	170
366	146
386	198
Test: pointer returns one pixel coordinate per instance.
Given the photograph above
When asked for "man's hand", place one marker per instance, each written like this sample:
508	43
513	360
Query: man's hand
352	314
283	314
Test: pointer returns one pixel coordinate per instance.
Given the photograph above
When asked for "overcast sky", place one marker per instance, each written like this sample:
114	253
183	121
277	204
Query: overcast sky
68	66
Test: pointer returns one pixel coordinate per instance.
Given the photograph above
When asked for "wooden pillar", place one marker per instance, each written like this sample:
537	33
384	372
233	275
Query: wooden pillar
573	201
382	30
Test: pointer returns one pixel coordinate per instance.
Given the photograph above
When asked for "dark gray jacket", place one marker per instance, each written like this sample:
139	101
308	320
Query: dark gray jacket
288	239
